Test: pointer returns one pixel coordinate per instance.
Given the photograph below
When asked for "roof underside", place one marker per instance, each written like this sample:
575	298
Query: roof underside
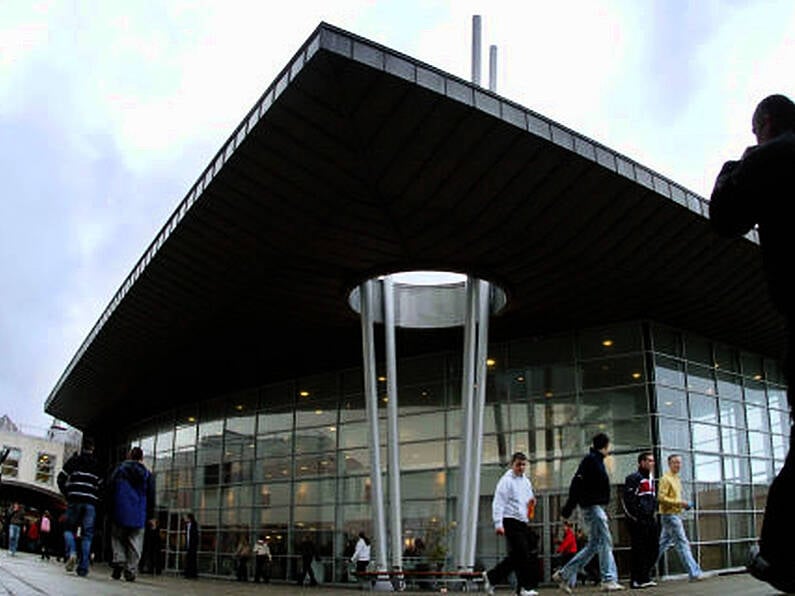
360	161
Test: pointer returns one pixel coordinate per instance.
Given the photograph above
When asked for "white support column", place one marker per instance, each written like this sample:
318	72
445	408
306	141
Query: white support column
371	403
484	292
393	437
467	403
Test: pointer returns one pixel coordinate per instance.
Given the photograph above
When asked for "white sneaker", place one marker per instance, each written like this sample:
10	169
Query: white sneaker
649	584
698	578
611	587
524	592
563	585
487	587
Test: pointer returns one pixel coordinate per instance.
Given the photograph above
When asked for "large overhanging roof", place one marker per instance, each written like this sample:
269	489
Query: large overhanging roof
360	161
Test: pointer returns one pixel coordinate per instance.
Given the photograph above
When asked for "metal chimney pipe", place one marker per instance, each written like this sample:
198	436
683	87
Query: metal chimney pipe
476	49
493	68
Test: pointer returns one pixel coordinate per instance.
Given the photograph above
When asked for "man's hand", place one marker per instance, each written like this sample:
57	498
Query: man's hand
500	531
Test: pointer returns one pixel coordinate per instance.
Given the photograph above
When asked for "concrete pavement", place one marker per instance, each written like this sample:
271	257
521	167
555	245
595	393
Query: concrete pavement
28	575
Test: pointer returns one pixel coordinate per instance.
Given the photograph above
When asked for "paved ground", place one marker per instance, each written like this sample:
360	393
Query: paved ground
26	574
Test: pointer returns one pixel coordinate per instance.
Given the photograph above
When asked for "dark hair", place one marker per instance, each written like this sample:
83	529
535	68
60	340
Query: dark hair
365	538
518	456
673	455
644	456
136	454
780	110
600	441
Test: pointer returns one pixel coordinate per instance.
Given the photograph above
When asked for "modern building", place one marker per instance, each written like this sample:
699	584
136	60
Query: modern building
233	356
28	472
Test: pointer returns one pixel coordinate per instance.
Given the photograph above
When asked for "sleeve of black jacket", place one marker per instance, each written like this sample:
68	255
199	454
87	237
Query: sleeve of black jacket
63	475
629	496
575	491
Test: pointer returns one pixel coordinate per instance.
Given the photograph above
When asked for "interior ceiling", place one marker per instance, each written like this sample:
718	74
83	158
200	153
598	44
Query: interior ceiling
353	172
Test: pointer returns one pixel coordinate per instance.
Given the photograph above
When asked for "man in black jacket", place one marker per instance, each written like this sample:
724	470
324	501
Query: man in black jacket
80	482
640	505
590	489
757	190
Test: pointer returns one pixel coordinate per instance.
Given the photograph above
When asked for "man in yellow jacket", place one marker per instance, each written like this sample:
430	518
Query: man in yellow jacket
671	505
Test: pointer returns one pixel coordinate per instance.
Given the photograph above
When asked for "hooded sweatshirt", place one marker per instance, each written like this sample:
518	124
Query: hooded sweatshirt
132	494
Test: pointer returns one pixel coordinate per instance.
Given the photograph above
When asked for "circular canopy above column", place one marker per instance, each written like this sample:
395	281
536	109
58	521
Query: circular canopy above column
428	299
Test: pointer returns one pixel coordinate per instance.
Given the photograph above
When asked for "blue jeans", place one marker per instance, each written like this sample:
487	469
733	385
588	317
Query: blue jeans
83	515
673	534
600	542
13	538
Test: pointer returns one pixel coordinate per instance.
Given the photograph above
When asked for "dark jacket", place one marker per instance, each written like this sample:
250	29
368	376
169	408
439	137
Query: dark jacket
639	497
590	485
131	492
759	189
80	480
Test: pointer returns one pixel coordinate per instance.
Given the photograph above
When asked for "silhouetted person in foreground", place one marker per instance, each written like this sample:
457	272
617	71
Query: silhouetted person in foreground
758	190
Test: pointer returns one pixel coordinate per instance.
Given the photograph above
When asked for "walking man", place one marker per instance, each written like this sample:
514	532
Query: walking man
132	504
80	483
757	190
640	506
590	489
16	519
513	499
671	507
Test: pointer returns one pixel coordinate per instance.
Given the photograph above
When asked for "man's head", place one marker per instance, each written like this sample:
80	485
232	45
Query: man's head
136	454
646	462
601	443
519	463
88	444
774	115
675	463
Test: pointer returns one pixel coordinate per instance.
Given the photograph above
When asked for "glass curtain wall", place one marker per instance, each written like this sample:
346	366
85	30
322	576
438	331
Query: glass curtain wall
290	460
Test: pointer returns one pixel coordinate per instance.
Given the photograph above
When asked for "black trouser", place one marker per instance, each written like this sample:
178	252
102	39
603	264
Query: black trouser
645	537
522	556
262	569
307	571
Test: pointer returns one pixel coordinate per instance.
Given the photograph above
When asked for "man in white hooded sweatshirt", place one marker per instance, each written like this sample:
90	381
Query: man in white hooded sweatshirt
512	503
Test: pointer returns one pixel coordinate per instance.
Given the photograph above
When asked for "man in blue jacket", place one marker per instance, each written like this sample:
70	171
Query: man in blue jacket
590	489
131	495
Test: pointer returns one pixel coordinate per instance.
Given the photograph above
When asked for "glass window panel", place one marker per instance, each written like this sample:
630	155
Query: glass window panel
699	349
418	485
316	464
491	422
615	403
777	397
779	422
708	496
739	497
556	441
779	446
548	381
705	437
354	434
703	408
272	494
309	492
45	467
551	411
736	469
612	372
236	496
185	438
732	413
755	392
147	445
273	516
666	340
753	366
730	386
311	516
320	439
429	454
759	444
273	468
669	371
630	435
355	489
727	359
761	471
707	467
734	441
712	527
606	341
671	402
418	428
674	434
271	422
276	445
239	447
700	378
352	408
357	461
241	424
757	417
423	513
316	414
165	441
533	351
741	525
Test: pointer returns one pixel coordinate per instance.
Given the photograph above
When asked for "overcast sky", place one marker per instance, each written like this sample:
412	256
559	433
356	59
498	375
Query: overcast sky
109	110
